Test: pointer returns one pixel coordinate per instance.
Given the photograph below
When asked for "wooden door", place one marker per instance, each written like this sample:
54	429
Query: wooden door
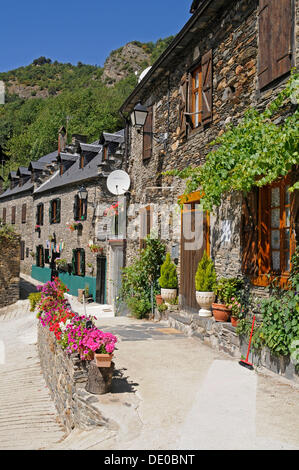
194	241
101	280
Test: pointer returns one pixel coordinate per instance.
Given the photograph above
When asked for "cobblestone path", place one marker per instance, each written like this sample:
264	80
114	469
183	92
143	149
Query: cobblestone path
28	418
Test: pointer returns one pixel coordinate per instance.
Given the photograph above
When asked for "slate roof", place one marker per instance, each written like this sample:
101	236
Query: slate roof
23	171
74	174
17	190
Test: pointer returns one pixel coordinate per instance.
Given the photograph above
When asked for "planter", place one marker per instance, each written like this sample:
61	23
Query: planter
205	300
221	312
234	321
168	294
159	300
103	360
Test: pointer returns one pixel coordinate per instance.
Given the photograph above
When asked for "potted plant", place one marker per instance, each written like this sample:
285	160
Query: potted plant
61	264
226	291
205	280
237	311
90	268
168	280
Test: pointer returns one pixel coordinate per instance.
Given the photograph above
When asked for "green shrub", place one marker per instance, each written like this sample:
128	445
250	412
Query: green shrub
34	299
228	288
205	278
140	279
168	278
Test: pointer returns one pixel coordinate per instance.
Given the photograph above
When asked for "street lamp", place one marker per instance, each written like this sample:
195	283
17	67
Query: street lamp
82	193
139	115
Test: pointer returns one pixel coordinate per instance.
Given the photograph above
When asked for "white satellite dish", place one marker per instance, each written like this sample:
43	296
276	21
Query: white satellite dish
143	74
118	182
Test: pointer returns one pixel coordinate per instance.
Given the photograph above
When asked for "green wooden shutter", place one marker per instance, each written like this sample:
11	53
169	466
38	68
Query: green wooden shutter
36	256
82	262
42	257
76	207
41	214
36	216
85	210
50	213
74	262
58	210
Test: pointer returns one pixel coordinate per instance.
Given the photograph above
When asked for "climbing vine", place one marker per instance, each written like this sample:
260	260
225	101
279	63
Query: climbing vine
255	152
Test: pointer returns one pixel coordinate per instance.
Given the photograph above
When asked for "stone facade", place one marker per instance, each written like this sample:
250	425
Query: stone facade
23	228
232	34
67	377
9	270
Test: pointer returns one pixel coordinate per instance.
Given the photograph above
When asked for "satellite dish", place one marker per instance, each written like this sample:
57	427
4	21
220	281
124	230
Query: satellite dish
118	182
143	74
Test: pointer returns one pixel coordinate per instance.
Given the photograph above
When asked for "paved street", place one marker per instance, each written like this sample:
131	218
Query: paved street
169	392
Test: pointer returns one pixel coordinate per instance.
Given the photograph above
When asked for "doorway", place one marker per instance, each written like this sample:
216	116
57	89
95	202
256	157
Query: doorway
101	280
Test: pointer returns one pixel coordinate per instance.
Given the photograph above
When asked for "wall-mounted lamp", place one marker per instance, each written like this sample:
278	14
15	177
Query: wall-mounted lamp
139	115
82	193
138	119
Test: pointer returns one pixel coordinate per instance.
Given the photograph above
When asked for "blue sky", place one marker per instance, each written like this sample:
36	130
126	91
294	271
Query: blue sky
86	31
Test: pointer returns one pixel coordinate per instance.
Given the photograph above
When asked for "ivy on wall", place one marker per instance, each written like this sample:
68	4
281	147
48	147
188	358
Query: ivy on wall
255	152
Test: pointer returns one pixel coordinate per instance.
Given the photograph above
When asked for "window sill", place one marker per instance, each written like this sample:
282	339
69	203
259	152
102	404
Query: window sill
263	280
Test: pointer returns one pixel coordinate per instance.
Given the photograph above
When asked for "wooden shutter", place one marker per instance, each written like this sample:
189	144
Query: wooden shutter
148	135
13	215
58	210
22	247
82	262
275	40
282	32
76	206
24	210
4	215
183	106
249	233
41	214
74	262
51	212
207	87
85	209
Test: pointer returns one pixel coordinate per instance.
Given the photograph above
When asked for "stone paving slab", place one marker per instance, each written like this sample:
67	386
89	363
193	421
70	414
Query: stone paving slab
28	418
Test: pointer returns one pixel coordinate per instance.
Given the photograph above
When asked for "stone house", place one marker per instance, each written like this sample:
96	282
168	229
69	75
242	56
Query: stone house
229	56
57	203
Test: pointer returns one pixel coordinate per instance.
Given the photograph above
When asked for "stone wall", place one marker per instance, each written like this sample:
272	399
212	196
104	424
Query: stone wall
223	337
233	36
66	377
24	229
9	270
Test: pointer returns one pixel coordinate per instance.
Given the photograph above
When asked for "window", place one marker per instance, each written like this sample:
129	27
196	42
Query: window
40	214
4	215
54	211
24	211
275	40
270	235
78	262
145	225
196	98
148	134
13	215
40	256
80	208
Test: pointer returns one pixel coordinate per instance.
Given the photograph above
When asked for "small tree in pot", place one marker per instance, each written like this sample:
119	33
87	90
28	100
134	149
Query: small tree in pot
205	280
168	280
227	292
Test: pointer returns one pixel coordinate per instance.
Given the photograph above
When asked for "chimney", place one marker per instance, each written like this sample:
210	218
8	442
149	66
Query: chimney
62	139
76	139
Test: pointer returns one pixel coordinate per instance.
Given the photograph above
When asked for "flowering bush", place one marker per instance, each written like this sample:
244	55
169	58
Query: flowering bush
69	328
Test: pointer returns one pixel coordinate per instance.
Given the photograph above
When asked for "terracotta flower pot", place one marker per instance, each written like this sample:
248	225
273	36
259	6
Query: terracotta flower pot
234	321
221	312
103	360
159	300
